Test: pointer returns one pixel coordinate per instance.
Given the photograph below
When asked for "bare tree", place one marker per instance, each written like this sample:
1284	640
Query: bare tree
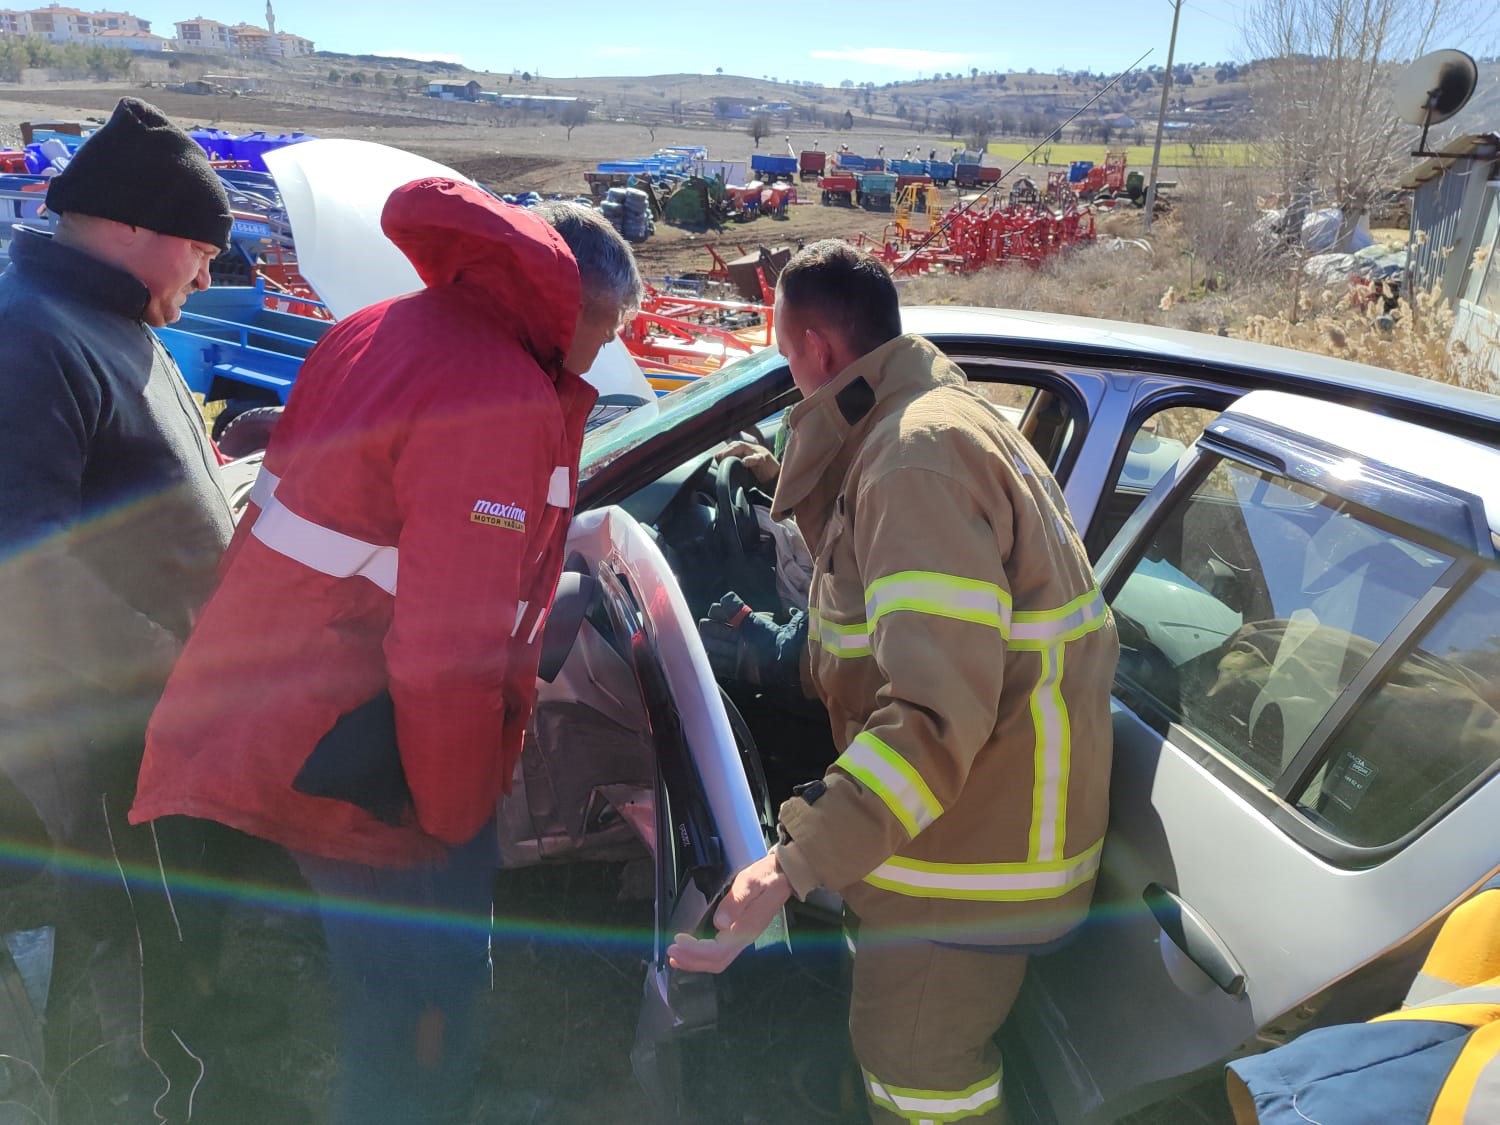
981	129
573	115
1322	92
759	127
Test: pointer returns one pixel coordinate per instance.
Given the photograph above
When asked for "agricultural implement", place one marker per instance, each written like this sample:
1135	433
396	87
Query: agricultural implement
676	339
233	349
811	164
839	187
771	166
874	190
977	237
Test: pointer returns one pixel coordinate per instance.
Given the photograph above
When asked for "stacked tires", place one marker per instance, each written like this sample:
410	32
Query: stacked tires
629	212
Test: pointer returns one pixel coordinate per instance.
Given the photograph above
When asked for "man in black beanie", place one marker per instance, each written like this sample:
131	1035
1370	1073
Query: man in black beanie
112	524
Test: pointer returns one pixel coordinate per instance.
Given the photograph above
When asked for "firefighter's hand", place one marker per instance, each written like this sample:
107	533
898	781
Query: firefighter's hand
755	898
758	459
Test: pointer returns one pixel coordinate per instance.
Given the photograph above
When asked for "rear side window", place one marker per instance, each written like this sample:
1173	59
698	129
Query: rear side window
1424	735
1257	602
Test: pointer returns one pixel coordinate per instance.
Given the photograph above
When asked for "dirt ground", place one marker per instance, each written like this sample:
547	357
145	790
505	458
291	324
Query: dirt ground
536	157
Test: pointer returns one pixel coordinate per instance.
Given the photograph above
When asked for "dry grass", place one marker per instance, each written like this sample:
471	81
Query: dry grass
1412	337
1122	276
1203	269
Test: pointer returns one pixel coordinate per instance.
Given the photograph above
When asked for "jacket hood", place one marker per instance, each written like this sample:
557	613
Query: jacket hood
457	234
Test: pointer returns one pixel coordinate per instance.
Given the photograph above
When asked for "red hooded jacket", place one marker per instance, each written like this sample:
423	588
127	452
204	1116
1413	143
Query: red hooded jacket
435	438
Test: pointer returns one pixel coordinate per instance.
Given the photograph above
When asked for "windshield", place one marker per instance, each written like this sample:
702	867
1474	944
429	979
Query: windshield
619	437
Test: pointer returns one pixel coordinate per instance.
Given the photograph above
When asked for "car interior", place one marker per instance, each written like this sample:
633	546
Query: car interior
588	771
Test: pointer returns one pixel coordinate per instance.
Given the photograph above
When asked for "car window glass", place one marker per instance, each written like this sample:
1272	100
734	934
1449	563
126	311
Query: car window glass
1255	603
1428	731
1044	417
1155	446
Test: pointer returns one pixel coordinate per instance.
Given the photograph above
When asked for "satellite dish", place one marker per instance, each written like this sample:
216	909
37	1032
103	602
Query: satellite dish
1433	89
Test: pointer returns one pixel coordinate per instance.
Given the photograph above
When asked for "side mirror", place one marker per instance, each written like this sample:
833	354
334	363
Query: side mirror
576	595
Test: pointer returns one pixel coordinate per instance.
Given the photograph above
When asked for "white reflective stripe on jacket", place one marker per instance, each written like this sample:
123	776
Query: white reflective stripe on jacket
321	548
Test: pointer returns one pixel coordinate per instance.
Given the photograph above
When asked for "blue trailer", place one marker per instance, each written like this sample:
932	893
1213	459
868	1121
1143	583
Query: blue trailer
941	171
769	165
234	350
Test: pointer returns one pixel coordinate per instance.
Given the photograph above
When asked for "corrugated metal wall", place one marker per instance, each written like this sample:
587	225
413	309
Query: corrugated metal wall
1436	208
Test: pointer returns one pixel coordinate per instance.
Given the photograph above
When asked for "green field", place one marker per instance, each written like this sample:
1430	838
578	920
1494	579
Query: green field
1176	154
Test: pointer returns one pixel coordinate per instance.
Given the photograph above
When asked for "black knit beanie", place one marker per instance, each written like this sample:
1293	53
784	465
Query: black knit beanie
142	170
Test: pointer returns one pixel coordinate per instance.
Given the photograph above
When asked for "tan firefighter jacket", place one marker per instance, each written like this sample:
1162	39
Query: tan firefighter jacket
961	646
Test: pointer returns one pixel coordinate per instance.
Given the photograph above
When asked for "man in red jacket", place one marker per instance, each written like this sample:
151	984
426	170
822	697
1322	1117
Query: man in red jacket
358	686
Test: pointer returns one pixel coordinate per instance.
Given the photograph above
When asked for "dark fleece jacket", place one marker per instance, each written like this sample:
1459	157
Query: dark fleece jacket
111	519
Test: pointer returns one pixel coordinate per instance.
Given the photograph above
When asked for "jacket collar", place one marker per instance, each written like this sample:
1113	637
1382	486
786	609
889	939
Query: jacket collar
823	424
42	261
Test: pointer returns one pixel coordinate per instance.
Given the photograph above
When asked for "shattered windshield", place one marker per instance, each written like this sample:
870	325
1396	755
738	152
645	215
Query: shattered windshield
609	442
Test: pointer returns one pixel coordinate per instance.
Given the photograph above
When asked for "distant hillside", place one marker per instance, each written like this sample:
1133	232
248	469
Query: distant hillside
1206	100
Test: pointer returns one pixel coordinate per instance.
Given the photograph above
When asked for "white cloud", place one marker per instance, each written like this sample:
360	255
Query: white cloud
419	56
898	58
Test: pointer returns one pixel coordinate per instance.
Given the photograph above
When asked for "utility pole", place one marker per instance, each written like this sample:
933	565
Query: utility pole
1161	118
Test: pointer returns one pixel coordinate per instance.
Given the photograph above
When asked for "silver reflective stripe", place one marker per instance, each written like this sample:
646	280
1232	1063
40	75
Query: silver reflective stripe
559	487
1427	989
1051	759
986	882
1474	994
844	641
1034	629
942	595
937	1105
520	613
893	779
321	548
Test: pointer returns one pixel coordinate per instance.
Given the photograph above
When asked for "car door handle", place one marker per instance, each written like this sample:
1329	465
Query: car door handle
1196	938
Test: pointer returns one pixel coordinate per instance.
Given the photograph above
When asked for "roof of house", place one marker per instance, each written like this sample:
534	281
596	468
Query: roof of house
1454	152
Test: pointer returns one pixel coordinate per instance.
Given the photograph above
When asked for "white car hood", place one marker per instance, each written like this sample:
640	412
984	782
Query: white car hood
334	191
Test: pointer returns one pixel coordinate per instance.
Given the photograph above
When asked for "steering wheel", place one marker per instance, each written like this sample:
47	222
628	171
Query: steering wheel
736	525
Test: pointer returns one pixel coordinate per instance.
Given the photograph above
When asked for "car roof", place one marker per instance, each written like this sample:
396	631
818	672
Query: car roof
1043	336
1463	466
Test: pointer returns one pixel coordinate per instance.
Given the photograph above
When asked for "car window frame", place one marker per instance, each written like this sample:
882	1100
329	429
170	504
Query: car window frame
1039	377
1202	396
1245	443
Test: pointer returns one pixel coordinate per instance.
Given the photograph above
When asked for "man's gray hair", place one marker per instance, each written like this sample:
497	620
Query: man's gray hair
606	265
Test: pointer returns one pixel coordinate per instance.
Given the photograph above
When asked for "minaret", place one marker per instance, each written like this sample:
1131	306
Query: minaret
270	18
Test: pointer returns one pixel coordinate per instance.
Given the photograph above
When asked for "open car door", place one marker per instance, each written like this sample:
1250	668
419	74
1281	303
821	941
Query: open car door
631	691
1307	750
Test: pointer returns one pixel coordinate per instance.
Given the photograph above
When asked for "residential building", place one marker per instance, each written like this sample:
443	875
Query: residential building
202	35
293	46
58	24
142	41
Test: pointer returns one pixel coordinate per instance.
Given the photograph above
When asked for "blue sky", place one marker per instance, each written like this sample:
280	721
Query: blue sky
863	40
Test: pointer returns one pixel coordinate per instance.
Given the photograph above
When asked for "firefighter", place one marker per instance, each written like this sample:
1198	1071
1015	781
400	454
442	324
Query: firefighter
958	639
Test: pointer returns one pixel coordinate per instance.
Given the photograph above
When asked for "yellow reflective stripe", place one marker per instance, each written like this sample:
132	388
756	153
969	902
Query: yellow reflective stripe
1037	629
937	1105
987	882
844	641
941	595
1051	760
1471	1092
893	779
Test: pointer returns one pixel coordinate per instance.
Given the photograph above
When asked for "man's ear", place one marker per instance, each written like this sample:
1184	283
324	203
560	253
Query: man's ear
821	344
